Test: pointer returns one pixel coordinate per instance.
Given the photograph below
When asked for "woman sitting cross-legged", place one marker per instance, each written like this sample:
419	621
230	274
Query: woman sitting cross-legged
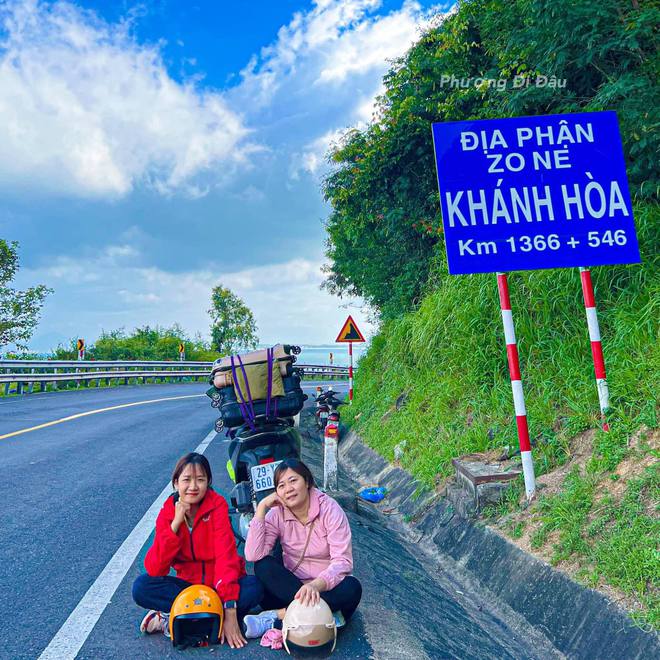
316	544
194	536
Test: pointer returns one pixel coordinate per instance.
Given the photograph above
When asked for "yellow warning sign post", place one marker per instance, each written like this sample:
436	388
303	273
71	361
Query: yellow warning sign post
80	347
182	352
348	334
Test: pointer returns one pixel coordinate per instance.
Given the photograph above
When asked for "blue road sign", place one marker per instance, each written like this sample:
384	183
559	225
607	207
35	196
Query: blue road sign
534	192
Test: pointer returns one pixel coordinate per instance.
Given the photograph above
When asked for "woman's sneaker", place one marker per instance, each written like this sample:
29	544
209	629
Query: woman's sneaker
257	624
155	622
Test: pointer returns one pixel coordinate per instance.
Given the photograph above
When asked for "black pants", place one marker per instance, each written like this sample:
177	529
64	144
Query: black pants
281	586
158	593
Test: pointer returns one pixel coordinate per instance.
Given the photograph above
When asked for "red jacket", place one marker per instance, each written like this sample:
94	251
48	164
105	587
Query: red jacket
207	556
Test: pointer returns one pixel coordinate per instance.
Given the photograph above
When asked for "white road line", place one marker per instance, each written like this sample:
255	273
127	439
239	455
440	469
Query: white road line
95	412
76	629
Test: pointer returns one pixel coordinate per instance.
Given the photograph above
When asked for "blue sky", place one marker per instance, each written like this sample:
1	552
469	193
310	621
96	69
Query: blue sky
152	150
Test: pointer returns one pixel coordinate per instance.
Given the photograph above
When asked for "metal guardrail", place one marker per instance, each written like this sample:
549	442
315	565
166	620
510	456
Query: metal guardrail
24	374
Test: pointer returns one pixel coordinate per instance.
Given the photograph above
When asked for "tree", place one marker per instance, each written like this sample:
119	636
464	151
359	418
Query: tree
146	343
384	228
233	326
19	310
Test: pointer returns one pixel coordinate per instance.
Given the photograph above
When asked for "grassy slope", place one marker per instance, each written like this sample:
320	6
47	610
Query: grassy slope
448	359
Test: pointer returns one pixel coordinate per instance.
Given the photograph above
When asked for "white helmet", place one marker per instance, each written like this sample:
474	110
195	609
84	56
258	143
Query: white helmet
309	626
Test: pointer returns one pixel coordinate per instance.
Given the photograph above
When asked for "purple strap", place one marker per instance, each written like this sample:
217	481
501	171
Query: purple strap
241	404
269	361
246	407
247	387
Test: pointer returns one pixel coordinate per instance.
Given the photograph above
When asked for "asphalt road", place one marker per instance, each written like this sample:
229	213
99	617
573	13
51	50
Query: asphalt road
75	490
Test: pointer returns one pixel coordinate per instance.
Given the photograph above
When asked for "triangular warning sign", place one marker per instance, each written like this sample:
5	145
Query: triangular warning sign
350	332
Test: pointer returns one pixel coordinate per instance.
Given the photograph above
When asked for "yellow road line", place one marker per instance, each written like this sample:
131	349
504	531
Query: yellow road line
94	412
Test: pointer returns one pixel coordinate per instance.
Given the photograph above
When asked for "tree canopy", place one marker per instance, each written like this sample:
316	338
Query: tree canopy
19	310
384	229
233	327
146	343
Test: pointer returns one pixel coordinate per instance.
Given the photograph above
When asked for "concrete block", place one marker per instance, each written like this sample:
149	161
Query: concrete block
490	493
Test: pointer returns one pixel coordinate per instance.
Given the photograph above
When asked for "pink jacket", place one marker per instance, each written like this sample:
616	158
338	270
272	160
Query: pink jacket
329	554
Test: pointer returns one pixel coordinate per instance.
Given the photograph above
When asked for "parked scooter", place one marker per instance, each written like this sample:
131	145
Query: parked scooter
326	406
261	435
253	457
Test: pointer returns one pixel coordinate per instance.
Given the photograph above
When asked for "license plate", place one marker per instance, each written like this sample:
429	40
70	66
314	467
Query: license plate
262	476
324	415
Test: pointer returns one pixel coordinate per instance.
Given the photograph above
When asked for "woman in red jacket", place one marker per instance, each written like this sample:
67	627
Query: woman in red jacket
194	537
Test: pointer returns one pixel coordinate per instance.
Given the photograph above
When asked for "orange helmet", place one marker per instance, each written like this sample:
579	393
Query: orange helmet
196	617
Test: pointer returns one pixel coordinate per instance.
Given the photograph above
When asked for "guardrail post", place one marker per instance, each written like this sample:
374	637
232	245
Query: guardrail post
330	459
55	385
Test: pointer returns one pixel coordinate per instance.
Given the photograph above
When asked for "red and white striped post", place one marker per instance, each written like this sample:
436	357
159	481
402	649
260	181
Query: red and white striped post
350	372
516	386
596	345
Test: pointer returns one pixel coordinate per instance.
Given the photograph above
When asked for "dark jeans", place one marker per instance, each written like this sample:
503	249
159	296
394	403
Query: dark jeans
158	593
281	586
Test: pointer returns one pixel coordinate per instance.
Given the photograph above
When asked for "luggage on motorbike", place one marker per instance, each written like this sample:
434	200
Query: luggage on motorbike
257	382
231	405
284	356
283	406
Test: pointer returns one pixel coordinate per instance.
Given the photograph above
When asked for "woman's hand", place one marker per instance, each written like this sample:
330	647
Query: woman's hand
308	594
180	511
231	632
268	503
272	500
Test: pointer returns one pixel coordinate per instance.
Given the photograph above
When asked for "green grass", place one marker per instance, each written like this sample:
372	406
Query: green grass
566	513
449	357
616	542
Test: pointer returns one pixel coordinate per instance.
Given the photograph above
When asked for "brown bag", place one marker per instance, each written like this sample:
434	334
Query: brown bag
257	383
279	354
222	379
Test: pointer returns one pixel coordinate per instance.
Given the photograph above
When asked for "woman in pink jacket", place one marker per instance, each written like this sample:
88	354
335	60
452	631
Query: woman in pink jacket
317	556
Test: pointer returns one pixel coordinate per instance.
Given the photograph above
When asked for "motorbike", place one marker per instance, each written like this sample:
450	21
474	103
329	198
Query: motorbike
327	405
254	454
258	445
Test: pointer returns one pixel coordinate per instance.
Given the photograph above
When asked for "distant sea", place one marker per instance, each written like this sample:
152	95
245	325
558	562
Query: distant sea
321	354
309	354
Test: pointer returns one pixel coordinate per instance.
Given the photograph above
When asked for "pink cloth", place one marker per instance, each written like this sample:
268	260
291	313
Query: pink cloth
272	638
329	554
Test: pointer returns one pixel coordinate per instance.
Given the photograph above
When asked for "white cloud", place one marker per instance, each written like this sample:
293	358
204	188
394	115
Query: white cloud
312	159
285	298
325	70
87	111
250	194
336	39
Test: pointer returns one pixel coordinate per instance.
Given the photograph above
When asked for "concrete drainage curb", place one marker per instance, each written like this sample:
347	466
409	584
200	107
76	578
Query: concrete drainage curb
579	622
